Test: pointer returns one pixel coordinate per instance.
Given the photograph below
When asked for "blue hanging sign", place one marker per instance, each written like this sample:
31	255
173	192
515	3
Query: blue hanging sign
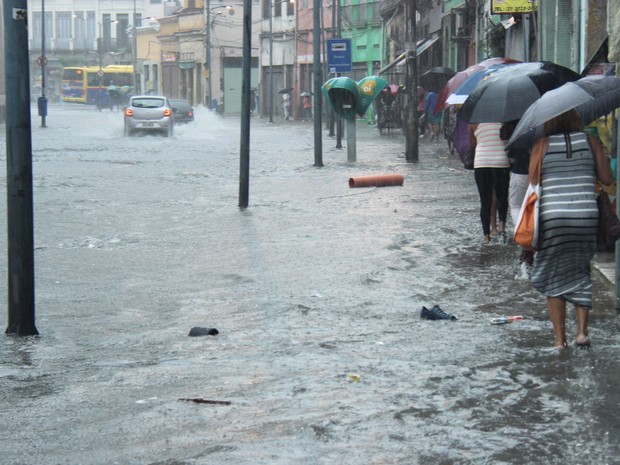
339	56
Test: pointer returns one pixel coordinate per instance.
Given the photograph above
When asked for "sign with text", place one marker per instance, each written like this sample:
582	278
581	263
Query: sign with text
339	55
513	6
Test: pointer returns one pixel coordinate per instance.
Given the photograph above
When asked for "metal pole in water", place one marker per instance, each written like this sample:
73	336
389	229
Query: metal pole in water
351	143
20	224
42	103
318	101
244	156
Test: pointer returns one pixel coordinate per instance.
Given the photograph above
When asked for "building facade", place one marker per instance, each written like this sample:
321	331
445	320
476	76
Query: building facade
193	48
82	32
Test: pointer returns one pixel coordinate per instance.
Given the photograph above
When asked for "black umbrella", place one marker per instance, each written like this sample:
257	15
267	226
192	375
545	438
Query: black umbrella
435	78
505	94
591	96
287	90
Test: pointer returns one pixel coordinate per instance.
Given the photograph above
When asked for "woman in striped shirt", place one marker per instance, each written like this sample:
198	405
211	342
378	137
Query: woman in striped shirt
492	173
568	221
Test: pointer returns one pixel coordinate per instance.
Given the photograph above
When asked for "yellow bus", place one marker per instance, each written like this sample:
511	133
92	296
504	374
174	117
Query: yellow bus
89	84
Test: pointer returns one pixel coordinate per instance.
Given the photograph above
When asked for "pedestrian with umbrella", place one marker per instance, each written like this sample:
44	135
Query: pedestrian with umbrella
503	96
492	175
570	166
307	105
575	103
286	105
433	120
285	101
113	93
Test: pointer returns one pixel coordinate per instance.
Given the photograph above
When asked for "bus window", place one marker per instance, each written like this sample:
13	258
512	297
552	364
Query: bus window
73	74
93	80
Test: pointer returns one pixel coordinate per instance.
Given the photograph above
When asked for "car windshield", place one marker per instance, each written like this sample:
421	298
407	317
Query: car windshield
148	102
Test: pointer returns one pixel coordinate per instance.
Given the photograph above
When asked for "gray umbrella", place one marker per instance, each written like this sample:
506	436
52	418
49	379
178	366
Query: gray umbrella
591	96
505	94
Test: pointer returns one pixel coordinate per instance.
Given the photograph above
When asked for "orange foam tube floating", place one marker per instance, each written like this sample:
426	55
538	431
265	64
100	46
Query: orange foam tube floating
378	180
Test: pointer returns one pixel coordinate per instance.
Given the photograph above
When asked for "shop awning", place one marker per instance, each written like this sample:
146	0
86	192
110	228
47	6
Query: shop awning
426	45
421	47
187	65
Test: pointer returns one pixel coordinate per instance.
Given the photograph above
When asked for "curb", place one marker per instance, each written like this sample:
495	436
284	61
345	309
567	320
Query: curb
605	264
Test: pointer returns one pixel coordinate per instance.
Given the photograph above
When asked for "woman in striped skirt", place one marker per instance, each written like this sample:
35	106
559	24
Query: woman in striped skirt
568	220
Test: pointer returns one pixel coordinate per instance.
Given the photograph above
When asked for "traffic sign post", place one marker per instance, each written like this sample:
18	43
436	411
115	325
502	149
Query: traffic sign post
339	56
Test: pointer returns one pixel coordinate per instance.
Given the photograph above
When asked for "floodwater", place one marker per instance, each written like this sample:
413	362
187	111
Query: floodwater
316	291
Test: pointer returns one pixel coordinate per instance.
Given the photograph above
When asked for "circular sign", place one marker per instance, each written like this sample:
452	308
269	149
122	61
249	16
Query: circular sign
100	73
42	61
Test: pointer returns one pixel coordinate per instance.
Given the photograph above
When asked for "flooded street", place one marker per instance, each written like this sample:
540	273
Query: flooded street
315	289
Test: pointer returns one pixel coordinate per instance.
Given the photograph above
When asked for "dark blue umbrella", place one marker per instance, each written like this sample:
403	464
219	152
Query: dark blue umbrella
591	96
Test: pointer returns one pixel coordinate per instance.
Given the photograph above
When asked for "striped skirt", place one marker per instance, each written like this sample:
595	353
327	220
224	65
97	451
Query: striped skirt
569	220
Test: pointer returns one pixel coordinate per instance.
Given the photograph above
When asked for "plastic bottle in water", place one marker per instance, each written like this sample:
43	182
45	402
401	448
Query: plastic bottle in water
502	320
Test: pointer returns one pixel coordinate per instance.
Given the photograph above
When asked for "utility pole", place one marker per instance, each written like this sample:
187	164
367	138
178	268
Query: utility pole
207	15
339	124
270	61
100	72
316	42
20	223
43	99
136	82
331	112
411	134
246	70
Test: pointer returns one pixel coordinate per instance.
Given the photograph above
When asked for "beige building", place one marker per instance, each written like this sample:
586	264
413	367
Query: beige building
196	54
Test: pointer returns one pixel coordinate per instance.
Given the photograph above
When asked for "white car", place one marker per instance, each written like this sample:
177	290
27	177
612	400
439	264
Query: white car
149	113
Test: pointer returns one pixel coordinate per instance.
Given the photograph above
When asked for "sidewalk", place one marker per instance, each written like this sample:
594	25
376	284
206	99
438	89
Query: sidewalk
605	264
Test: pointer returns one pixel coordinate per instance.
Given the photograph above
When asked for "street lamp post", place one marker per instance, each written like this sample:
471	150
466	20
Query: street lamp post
208	26
100	72
270	61
136	86
208	52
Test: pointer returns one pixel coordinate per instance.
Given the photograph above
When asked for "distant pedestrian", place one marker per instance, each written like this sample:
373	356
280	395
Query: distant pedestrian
421	94
307	107
257	102
253	106
433	120
286	105
449	124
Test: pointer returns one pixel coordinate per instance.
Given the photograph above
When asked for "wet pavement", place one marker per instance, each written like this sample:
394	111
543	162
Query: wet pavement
315	289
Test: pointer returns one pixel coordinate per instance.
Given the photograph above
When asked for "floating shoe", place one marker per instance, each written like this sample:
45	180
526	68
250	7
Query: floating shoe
435	313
